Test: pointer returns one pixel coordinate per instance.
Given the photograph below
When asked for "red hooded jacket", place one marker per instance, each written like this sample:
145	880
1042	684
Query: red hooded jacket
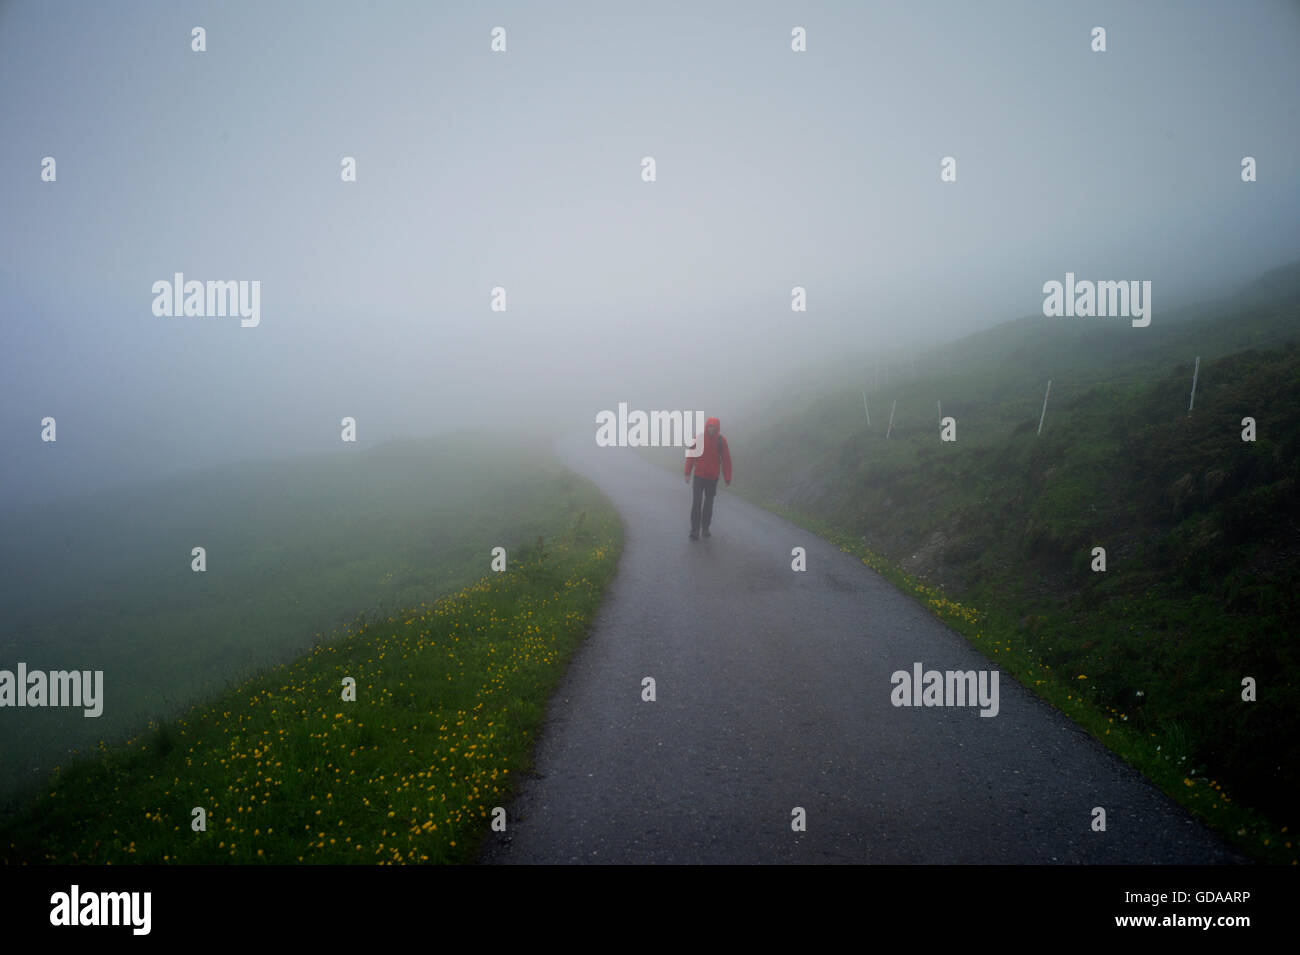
715	453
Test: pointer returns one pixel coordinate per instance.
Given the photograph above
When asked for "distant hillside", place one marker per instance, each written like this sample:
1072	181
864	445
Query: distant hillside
1201	529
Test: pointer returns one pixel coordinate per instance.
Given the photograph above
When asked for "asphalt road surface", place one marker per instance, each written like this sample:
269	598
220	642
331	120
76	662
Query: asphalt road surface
773	693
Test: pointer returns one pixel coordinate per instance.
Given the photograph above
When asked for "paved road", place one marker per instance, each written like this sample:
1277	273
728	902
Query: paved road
773	692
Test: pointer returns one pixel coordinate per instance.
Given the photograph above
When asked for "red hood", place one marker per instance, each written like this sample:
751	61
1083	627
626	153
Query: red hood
711	454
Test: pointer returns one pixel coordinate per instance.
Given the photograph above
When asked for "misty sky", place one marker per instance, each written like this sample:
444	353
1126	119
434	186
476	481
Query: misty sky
523	170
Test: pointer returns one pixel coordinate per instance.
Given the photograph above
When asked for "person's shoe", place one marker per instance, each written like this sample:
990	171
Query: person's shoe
694	536
706	532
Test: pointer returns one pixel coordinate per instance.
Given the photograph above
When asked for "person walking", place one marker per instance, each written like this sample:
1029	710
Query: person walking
714	454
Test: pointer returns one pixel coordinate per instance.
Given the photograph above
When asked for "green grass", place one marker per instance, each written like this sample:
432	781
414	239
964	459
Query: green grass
296	550
449	696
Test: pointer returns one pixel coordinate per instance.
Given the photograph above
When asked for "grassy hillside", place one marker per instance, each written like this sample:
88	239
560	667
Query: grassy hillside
1200	528
295	550
449	696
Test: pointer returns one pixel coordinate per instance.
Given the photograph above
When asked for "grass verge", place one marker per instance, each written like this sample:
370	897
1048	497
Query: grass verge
449	697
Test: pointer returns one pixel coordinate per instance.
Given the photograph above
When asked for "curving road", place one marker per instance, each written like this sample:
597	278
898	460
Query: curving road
773	692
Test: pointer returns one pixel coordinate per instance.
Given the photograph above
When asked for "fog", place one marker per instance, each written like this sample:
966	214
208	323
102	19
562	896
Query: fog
523	170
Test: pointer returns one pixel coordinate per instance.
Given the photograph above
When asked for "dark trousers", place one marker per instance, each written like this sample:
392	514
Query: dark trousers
702	488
